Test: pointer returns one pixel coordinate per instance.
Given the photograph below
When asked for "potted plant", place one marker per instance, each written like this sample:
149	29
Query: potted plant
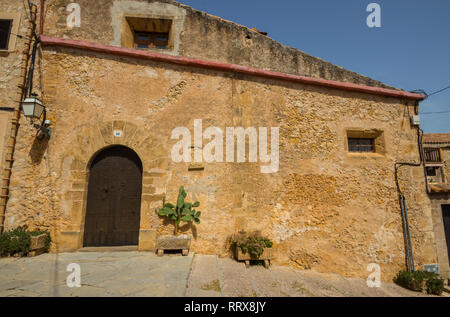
181	212
252	247
22	242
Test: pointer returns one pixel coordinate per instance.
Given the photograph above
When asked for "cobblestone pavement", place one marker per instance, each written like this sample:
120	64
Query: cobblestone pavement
145	274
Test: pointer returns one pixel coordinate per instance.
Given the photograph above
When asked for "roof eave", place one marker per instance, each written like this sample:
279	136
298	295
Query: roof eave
54	41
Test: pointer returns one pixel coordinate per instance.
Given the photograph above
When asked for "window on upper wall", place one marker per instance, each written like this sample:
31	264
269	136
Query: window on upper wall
361	145
151	40
9	28
5	33
365	141
147	33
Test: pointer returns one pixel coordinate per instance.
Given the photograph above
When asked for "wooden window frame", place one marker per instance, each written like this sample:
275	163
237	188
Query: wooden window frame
152	42
14	29
159	29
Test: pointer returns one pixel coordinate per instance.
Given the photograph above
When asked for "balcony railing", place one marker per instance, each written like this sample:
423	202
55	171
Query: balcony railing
433	156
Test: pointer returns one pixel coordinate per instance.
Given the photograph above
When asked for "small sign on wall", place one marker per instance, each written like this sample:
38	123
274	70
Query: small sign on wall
195	166
118	133
432	268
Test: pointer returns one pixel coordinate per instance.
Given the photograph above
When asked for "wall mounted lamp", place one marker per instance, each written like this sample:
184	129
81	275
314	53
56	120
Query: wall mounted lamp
33	108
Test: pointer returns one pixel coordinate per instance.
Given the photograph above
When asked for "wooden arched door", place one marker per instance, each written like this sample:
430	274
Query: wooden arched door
114	198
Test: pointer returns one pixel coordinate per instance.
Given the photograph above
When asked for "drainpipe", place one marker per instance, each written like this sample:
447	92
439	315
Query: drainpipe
421	151
402	199
407	235
4	194
405	220
41	19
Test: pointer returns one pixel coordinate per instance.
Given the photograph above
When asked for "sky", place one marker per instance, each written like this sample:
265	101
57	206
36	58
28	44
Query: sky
411	49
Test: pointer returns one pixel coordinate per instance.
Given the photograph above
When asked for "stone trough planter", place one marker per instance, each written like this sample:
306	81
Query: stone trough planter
266	256
37	245
173	243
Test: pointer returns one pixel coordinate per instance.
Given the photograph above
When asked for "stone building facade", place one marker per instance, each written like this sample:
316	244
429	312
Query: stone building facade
15	29
437	162
331	205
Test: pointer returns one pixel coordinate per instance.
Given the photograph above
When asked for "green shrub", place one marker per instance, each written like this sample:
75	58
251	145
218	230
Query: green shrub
268	243
17	241
416	281
4	244
409	280
435	286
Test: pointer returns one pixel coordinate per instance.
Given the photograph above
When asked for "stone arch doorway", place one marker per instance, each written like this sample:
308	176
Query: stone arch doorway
113	208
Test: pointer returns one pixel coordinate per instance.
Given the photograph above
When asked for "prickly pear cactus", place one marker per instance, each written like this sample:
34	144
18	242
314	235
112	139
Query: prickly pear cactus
182	211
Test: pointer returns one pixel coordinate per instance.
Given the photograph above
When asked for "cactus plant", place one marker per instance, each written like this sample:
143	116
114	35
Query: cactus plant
182	211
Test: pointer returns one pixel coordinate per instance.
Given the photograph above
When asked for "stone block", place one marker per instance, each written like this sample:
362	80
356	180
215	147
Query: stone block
173	243
106	131
129	131
38	242
118	125
147	240
69	241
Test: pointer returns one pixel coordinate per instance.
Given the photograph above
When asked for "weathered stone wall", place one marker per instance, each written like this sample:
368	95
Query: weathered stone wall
10	62
197	34
10	68
325	209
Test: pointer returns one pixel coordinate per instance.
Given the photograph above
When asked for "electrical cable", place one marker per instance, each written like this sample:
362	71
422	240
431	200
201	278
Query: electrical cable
17	35
427	95
439	91
438	112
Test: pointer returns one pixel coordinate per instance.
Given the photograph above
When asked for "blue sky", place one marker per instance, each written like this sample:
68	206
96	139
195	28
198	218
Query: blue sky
411	50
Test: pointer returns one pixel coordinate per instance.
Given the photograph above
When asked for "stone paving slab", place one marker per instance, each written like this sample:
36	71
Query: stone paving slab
234	279
204	279
264	282
319	286
290	283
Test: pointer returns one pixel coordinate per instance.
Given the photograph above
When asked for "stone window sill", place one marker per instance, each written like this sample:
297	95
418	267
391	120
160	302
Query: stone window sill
365	155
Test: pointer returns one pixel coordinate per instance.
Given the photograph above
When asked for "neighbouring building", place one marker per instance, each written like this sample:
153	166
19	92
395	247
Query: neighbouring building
437	162
116	83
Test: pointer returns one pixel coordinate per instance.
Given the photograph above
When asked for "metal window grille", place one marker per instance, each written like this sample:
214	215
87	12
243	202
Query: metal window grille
151	40
361	145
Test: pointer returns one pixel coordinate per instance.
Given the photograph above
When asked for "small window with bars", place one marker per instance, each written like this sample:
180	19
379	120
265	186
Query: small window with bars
361	145
5	33
151	40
